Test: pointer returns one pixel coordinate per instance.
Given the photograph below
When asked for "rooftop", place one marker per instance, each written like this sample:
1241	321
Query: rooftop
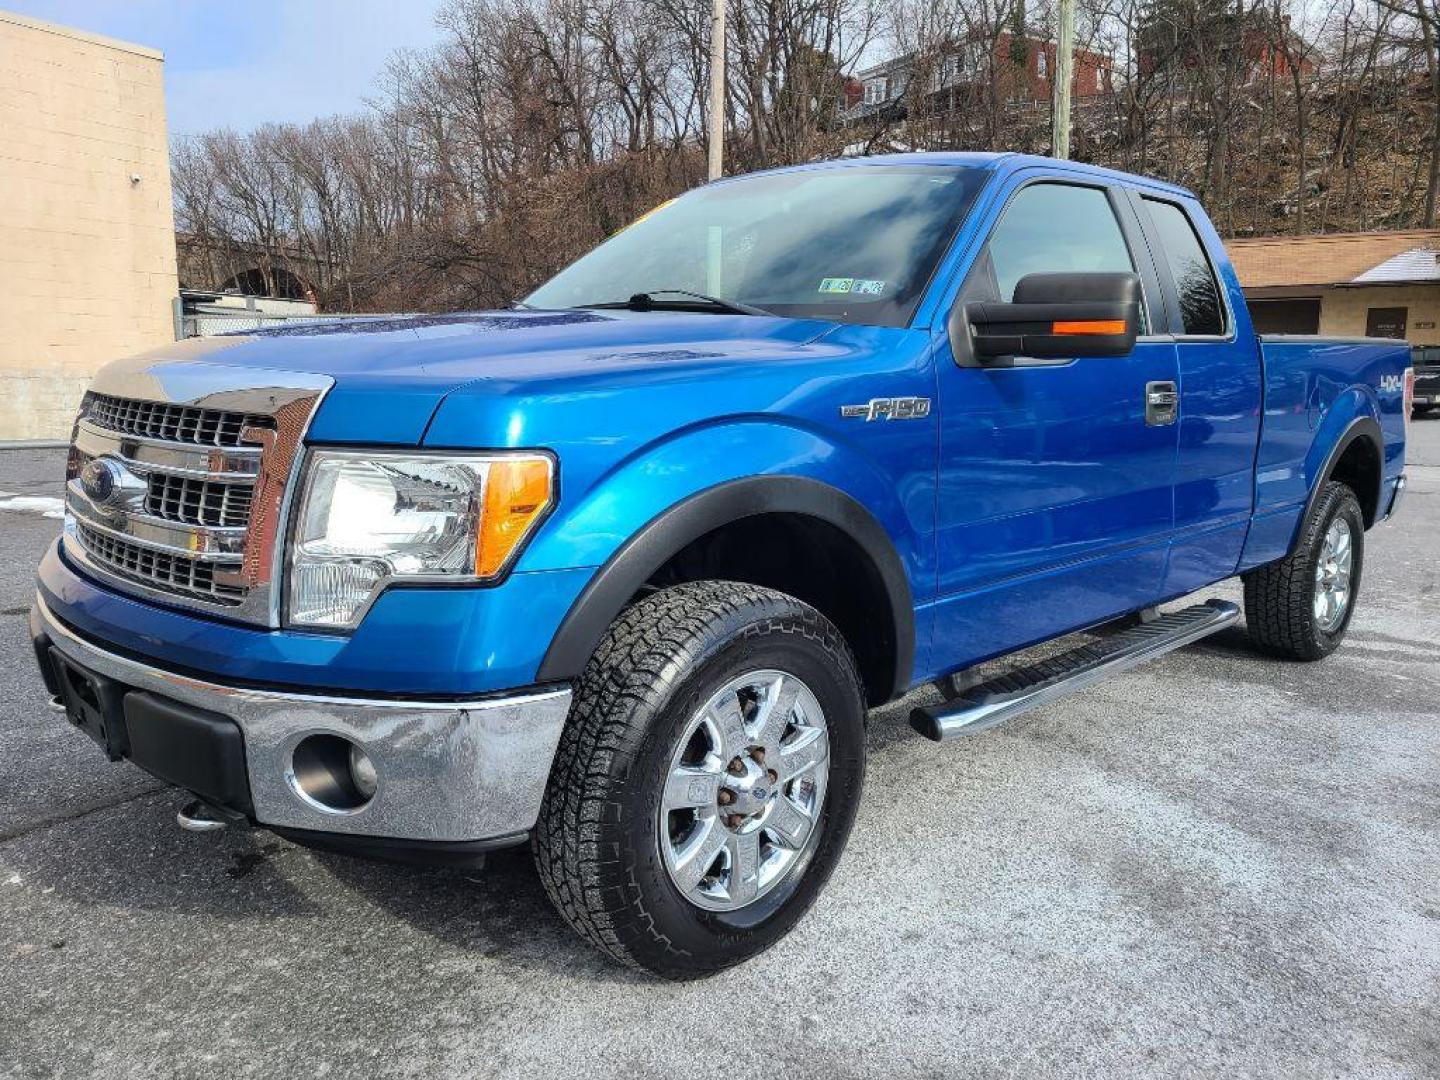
1336	258
44	27
1417	264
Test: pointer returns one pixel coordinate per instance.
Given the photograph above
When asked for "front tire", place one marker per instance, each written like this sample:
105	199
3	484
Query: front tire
1300	607
707	779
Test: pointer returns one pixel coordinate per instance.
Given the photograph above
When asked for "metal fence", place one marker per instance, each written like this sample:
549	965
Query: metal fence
199	319
207	324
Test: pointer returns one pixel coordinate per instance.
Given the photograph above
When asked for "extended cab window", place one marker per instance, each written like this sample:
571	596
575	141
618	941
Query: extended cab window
852	243
1201	312
1054	228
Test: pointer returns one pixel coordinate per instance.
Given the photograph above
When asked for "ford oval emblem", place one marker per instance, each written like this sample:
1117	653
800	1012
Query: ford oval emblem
100	479
111	487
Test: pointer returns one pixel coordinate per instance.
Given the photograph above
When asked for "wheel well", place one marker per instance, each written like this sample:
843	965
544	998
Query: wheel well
1359	469
811	560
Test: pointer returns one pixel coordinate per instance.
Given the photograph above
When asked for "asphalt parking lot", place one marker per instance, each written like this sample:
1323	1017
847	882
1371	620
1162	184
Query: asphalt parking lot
1215	865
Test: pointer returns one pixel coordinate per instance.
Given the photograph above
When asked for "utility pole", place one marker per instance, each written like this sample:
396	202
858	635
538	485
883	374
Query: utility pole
717	91
1064	68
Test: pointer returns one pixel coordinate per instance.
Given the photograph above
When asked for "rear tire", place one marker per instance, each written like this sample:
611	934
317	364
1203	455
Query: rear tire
609	840
1294	608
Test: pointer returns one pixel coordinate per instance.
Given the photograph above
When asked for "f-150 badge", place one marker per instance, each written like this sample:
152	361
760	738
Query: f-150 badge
888	408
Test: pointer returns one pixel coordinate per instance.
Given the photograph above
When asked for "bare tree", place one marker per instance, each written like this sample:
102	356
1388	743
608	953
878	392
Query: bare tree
536	128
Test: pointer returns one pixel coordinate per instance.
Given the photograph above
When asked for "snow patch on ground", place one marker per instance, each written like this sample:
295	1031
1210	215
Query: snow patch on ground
34	504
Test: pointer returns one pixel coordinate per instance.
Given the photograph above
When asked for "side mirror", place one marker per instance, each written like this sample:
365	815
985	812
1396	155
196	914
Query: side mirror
1058	316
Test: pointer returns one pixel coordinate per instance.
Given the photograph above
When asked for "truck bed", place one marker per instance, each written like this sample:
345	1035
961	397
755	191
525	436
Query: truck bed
1315	390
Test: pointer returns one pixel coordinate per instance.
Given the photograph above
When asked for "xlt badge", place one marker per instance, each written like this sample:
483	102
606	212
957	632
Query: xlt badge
888	408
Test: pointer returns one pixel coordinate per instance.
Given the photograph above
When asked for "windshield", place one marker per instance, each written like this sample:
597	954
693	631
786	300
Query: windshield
854	244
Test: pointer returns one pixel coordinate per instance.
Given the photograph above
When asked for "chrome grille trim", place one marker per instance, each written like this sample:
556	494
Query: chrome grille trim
166	421
152	455
199	502
158	569
215	451
167	536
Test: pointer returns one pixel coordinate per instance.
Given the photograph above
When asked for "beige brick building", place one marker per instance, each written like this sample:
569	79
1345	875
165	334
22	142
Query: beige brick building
87	239
1344	284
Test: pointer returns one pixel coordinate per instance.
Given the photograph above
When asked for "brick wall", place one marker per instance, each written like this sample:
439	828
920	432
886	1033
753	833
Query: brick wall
88	266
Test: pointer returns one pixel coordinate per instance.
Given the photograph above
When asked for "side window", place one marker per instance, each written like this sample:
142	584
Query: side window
1201	311
1052	228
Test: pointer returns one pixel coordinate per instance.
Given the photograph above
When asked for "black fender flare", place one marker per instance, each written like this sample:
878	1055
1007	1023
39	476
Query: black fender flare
1362	427
637	560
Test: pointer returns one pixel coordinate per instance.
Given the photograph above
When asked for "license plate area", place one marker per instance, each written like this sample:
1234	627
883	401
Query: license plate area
93	703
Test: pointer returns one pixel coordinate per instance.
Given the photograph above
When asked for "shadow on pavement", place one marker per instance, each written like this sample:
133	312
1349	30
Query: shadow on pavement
133	857
498	912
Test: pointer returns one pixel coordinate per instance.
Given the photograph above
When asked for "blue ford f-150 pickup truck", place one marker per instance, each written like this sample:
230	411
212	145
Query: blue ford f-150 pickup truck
618	571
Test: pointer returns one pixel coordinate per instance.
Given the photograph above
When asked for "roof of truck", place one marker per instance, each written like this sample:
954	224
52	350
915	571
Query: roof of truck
992	161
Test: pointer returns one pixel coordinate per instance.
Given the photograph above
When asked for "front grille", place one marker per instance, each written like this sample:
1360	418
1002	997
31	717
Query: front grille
168	496
199	502
170	422
189	501
173	573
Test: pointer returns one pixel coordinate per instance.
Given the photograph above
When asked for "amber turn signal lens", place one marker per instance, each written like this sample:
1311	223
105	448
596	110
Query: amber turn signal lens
517	494
1089	326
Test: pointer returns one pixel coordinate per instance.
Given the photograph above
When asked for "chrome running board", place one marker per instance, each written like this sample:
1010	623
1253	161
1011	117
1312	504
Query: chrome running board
982	707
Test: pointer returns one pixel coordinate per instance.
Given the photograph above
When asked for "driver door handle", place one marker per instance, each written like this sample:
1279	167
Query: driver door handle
1162	401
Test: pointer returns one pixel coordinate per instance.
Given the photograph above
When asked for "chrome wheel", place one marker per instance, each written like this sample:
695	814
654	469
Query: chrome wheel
744	790
1332	575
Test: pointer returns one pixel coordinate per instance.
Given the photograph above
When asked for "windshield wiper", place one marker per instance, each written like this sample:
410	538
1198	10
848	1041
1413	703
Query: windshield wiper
646	301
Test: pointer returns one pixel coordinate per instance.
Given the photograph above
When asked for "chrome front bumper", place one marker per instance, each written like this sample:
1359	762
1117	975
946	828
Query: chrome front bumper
448	771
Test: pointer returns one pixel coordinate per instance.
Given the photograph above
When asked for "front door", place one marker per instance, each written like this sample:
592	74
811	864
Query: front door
1388	322
1055	486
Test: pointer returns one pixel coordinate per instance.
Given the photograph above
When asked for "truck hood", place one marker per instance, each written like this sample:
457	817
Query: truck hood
391	373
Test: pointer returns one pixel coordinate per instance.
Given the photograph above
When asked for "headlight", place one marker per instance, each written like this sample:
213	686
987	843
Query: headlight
367	519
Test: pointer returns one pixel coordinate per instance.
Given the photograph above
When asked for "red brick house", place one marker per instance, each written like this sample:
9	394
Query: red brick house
966	67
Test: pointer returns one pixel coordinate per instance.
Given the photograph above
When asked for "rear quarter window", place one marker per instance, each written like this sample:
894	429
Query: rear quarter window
1201	311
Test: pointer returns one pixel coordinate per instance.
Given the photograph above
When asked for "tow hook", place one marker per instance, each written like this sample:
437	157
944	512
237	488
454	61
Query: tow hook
195	816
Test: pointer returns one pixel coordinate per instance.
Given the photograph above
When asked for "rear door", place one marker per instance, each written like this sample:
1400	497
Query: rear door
1219	364
1054	506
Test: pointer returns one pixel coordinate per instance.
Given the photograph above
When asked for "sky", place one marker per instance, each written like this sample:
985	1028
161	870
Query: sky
243	64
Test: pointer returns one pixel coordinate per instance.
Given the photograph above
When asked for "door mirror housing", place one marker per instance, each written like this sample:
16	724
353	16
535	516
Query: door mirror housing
1055	317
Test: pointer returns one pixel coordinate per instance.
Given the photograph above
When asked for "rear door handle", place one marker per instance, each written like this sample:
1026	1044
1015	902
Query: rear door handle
1162	401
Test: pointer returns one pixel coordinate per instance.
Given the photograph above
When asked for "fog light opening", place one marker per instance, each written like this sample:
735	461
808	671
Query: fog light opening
332	774
362	773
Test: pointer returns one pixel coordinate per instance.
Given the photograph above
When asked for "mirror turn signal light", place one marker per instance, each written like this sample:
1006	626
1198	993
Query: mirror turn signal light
1089	326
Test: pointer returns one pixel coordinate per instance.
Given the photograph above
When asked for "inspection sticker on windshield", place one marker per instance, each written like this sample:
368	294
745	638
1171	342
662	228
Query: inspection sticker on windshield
860	286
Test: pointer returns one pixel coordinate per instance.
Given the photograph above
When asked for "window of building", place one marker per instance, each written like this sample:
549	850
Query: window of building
969	62
877	90
1201	311
1290	315
1042	64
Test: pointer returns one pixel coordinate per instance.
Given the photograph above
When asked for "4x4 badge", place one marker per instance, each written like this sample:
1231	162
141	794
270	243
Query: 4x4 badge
888	408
